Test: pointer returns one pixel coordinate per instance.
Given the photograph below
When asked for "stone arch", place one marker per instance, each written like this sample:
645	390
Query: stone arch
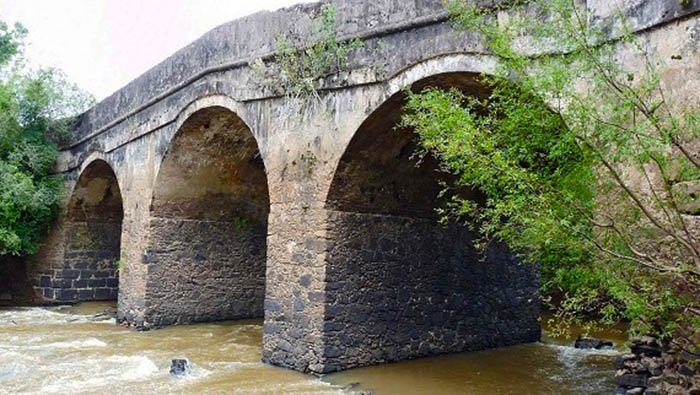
207	245
93	225
417	75
372	174
420	74
401	285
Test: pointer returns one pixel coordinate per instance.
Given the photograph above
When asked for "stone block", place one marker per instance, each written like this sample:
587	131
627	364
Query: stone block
86	294
67	273
97	282
305	280
62	283
80	283
66	295
103	273
103	294
45	281
48	293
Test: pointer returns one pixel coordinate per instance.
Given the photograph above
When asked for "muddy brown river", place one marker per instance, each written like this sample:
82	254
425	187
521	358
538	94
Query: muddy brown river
64	350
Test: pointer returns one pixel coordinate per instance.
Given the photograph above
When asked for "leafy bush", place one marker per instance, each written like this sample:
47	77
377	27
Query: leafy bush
578	157
34	106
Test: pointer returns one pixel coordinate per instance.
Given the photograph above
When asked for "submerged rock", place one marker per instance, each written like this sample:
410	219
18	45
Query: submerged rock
592	343
178	367
105	315
350	386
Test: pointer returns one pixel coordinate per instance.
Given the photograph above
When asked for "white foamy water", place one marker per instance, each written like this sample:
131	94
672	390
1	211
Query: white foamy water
32	316
64	350
571	356
47	316
106	372
79	344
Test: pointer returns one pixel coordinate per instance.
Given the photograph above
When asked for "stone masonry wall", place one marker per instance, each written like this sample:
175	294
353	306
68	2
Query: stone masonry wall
89	270
204	271
400	288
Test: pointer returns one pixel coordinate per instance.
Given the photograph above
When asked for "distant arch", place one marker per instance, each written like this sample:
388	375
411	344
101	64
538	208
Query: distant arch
93	225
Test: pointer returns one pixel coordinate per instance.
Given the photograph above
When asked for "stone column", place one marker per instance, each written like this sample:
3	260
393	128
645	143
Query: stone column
295	288
133	275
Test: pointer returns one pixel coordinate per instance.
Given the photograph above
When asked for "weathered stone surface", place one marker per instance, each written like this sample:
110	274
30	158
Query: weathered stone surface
655	368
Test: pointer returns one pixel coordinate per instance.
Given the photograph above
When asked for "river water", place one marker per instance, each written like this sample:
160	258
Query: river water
68	350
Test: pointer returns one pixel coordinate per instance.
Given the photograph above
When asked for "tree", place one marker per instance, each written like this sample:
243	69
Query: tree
582	162
34	111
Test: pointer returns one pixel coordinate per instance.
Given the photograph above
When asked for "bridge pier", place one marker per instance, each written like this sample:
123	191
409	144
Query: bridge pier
353	289
296	288
400	287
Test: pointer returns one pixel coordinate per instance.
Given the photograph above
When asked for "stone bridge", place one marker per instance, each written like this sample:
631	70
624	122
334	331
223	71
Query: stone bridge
198	194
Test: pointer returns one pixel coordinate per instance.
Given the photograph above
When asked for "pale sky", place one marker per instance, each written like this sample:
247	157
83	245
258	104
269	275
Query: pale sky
103	44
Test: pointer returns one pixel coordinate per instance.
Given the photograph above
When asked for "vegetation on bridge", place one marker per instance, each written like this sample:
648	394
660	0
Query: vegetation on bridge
581	161
299	67
33	110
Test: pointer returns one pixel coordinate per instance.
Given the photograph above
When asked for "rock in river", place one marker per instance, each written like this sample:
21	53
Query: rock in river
592	343
178	367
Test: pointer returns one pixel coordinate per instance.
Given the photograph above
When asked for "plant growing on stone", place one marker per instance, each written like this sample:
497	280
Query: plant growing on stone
119	266
583	162
309	160
299	67
240	223
34	106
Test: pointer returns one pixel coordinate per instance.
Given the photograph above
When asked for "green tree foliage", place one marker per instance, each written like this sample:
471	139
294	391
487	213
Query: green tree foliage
578	158
34	106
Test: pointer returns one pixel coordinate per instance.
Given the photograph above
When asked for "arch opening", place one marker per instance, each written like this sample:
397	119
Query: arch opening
208	224
93	238
399	283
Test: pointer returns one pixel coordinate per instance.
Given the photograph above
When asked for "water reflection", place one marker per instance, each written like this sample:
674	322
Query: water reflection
64	350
